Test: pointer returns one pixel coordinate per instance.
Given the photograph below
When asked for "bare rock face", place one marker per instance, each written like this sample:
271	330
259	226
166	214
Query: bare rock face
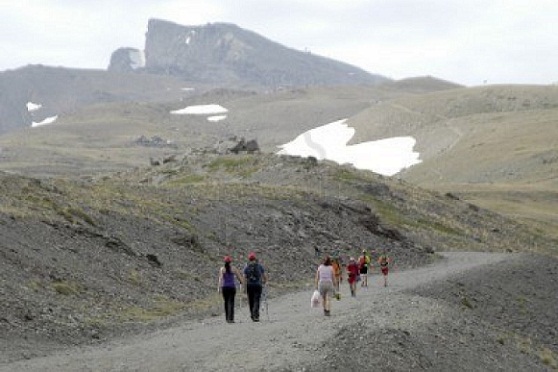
126	60
225	53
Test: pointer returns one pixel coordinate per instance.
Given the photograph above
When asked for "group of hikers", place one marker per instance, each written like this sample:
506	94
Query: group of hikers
327	280
330	275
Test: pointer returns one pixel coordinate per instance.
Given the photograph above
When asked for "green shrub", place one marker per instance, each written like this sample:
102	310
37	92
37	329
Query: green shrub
548	358
243	166
466	302
66	288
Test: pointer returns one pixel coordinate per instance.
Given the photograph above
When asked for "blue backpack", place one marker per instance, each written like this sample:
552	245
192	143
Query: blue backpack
253	273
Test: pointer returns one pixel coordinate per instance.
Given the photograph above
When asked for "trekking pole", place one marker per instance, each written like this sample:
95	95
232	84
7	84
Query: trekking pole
264	302
244	296
239	296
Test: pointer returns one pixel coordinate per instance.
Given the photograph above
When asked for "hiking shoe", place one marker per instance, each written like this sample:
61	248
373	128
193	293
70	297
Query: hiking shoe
326	312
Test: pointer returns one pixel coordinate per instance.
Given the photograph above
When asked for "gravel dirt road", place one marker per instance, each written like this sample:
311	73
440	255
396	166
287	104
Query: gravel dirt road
292	337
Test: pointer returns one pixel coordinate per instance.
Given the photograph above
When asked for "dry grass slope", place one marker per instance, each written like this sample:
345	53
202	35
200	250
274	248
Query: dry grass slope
496	146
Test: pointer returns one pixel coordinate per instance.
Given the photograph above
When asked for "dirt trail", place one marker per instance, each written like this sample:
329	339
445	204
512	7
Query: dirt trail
290	337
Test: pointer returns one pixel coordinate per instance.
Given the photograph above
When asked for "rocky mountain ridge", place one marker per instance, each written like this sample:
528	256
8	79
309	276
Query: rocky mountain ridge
223	53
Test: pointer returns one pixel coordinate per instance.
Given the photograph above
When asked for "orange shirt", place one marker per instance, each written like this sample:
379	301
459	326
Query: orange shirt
336	269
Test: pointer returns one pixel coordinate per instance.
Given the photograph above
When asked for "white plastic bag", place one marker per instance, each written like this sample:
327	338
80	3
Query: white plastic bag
315	300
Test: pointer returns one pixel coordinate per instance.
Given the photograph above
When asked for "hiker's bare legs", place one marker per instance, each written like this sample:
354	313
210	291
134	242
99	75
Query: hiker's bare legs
353	288
325	302
385	272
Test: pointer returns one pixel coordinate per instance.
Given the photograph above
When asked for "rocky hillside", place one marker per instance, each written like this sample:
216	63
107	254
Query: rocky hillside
85	259
226	54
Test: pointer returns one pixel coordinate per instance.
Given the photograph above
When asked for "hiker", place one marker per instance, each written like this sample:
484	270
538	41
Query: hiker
363	265
227	286
336	253
255	277
336	265
352	273
326	283
317	251
384	262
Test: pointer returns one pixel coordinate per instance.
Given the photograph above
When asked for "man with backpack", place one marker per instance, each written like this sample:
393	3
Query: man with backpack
363	265
255	278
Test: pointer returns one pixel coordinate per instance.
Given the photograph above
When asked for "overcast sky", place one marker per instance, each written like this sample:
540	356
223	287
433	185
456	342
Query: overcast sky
465	41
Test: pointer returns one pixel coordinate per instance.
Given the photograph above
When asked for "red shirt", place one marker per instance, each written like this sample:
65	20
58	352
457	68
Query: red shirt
352	270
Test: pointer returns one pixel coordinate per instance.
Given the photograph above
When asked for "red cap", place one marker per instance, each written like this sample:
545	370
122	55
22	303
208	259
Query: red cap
252	256
227	259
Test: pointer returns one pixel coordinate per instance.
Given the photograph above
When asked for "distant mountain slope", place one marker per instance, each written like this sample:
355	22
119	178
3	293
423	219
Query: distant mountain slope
472	125
103	136
225	54
421	84
496	145
63	90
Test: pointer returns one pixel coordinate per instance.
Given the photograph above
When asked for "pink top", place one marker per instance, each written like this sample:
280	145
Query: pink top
326	273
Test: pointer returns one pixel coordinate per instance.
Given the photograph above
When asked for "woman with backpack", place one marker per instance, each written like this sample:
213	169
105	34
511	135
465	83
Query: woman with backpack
227	286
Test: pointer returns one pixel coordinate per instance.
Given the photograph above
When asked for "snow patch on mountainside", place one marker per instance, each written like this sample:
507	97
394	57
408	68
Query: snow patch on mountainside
137	58
33	106
46	121
386	156
212	109
216	118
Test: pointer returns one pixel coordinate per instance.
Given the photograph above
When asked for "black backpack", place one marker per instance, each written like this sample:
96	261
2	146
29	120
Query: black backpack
253	273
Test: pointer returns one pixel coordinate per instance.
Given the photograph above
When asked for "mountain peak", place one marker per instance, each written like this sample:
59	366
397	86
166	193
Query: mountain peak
157	22
226	54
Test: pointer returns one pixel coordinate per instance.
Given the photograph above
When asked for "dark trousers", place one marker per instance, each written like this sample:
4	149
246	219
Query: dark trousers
228	296
254	297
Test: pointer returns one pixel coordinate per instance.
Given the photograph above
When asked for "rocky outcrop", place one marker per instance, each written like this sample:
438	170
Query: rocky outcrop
154	141
126	60
250	146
